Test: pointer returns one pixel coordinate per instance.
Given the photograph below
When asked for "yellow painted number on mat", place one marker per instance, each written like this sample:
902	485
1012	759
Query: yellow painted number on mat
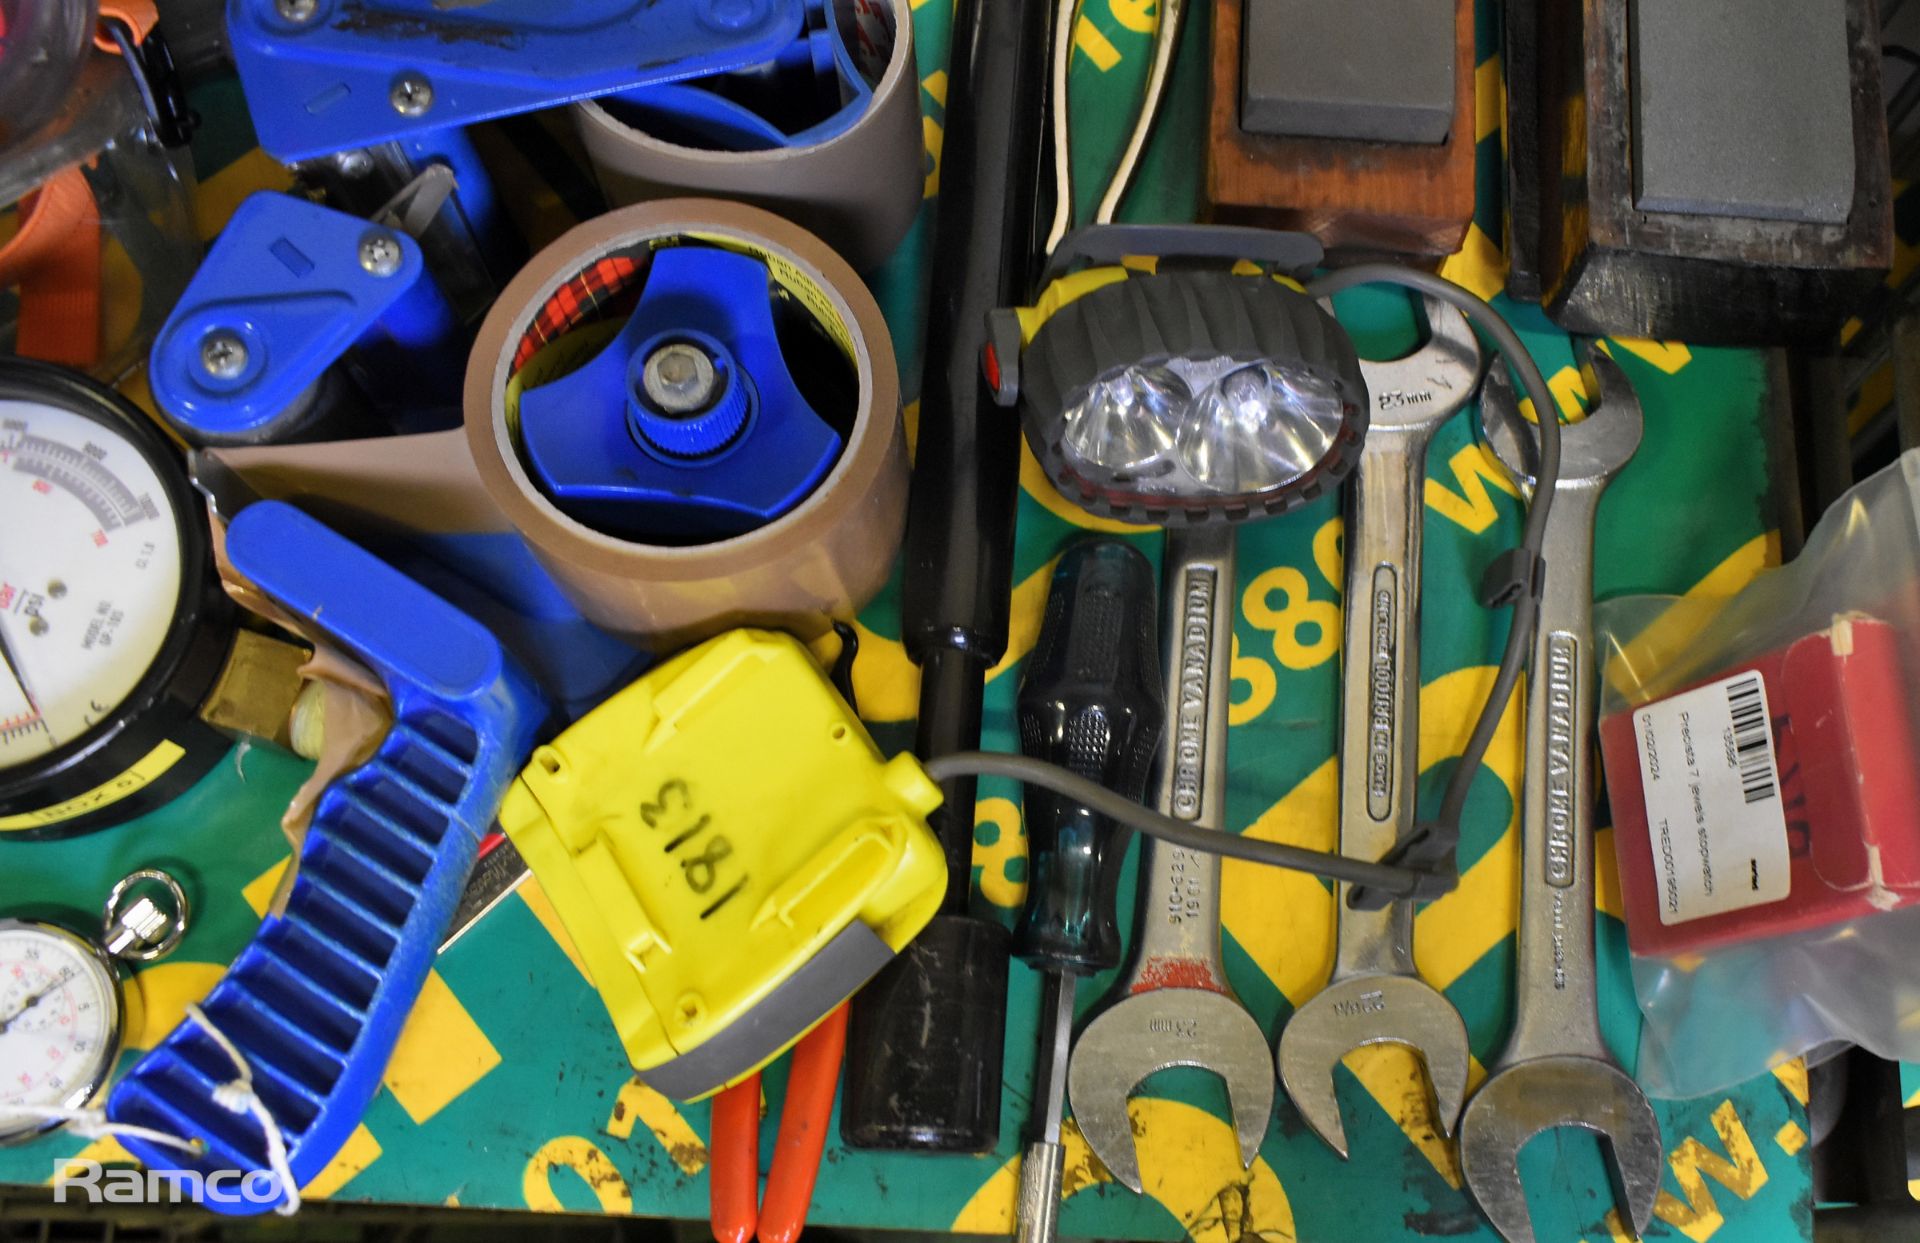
998	841
1329	552
572	1152
1306	632
1261	685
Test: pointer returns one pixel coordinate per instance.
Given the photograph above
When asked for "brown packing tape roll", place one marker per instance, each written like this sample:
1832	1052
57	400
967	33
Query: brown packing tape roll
826	557
425	483
859	191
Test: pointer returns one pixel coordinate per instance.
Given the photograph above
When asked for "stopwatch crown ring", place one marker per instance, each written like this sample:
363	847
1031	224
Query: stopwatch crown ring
140	929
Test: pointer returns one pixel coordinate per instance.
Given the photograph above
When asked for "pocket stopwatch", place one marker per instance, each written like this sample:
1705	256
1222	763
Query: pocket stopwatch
64	1010
113	626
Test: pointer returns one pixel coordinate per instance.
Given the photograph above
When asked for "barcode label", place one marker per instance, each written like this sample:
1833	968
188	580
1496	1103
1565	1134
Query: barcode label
1715	821
1752	738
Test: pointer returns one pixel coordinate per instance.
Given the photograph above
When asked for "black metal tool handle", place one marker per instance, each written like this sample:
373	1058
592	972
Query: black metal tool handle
1091	701
929	1031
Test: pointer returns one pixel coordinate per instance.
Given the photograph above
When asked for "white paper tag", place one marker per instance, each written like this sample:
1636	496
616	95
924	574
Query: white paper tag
1715	821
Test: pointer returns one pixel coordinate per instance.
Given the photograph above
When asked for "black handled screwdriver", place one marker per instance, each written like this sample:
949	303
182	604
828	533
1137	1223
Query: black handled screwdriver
1091	702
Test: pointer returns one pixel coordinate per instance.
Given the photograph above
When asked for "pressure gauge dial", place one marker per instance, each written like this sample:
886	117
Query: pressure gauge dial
113	626
63	1011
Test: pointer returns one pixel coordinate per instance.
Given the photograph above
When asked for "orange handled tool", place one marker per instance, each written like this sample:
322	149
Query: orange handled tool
734	1173
734	1176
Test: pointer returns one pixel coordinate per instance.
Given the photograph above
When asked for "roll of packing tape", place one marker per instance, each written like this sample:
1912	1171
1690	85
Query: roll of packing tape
826	555
859	190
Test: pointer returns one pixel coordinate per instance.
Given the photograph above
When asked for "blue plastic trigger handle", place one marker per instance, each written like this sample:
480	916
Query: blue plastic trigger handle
316	1000
350	74
609	459
813	76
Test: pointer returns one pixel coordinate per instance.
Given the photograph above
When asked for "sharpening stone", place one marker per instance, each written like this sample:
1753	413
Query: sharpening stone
1743	108
1369	70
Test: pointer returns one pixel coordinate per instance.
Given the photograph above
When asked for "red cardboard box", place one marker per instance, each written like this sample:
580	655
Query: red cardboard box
1778	796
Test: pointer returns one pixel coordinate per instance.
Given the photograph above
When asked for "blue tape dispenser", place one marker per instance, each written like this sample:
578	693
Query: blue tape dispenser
289	290
315	1002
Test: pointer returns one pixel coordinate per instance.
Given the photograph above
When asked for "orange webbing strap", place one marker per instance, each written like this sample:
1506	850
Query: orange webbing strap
54	258
138	15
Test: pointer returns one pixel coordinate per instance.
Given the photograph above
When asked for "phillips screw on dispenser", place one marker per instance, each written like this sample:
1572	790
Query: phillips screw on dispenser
223	355
1091	702
411	96
380	254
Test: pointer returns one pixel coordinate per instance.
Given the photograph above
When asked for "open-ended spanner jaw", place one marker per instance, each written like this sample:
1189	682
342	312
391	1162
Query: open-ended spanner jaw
1556	1069
1173	1006
1375	995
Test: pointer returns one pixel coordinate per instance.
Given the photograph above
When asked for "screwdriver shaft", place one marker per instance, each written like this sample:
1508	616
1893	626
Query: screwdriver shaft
1043	1166
1056	1033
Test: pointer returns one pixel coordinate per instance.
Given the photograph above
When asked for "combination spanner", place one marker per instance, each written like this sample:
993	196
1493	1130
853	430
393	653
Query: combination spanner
1174	1007
1375	995
1556	1070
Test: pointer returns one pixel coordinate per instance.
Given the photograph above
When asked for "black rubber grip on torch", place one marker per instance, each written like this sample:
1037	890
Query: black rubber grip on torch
928	1033
1091	701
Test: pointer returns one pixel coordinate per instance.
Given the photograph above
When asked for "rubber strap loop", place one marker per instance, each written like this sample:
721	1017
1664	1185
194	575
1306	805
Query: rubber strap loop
1513	575
1427	850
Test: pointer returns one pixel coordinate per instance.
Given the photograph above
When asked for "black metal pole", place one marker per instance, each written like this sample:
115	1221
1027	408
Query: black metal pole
924	1050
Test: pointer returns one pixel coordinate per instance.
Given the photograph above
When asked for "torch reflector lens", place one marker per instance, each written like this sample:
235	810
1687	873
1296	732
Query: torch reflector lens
1192	395
1192	427
1128	422
1259	427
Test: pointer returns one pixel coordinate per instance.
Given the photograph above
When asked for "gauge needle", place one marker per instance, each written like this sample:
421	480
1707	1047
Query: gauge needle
13	667
31	1000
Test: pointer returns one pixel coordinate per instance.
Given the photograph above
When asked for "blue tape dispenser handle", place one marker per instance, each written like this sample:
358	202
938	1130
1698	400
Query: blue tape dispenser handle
292	290
316	1000
353	73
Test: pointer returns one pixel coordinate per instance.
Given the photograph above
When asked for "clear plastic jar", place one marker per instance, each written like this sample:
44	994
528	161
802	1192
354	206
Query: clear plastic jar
96	223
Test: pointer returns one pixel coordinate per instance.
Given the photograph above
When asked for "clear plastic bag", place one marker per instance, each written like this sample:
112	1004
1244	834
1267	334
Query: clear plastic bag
1762	758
